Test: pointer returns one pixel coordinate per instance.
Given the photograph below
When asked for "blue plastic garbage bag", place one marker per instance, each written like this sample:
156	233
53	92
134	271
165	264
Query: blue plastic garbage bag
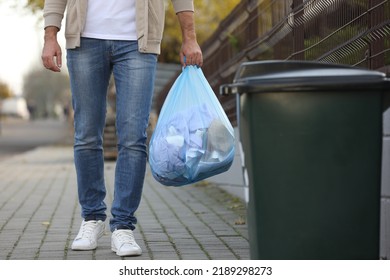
193	138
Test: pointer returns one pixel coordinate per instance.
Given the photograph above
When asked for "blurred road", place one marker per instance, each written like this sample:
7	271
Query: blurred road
18	136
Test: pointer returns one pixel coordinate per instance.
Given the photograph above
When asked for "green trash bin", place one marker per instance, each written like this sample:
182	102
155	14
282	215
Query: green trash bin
311	137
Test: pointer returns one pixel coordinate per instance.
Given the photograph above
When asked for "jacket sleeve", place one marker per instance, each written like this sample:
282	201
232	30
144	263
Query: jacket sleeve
183	5
53	12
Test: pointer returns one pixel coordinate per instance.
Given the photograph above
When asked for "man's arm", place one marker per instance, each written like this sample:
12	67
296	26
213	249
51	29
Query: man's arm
190	48
51	53
53	14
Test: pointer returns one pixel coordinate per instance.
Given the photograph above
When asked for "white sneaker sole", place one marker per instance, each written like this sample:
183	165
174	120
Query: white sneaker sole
135	252
83	248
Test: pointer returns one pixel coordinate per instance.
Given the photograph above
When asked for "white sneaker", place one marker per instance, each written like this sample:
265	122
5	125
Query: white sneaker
123	243
89	233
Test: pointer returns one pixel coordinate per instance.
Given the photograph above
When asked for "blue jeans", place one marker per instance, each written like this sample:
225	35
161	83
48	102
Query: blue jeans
90	68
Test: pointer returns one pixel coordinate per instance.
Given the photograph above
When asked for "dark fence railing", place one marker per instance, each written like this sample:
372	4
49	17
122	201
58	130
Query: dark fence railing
352	32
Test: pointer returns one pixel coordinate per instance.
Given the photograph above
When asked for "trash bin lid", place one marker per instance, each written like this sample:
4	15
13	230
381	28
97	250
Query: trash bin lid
274	75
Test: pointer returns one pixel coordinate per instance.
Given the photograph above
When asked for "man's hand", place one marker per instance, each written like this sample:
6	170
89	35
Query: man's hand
190	53
51	53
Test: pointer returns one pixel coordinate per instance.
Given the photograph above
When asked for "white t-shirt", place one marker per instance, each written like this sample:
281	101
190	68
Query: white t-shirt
110	20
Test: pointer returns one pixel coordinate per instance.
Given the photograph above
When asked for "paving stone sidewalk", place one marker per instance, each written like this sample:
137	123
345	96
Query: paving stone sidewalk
40	214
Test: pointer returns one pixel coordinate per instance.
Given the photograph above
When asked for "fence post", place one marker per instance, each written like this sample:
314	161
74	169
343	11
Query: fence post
298	30
376	16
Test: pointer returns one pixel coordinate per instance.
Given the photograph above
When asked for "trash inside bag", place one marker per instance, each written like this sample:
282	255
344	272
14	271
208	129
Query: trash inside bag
193	138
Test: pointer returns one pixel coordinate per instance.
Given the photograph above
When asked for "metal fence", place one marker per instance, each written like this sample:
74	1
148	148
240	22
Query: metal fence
353	32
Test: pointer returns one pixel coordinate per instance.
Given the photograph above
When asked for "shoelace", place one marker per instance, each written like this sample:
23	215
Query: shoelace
125	237
87	229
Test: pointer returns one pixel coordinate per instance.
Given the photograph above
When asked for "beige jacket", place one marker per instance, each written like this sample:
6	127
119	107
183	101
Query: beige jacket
150	15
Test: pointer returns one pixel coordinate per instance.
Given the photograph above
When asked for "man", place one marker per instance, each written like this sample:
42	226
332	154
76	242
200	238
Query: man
122	38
